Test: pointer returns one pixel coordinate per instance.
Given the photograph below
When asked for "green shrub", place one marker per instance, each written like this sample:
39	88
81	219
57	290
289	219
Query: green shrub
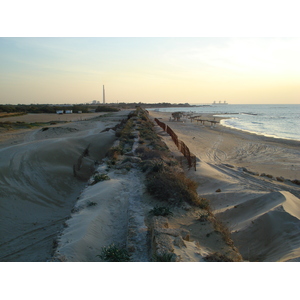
165	257
158	166
113	253
217	257
161	211
105	108
100	177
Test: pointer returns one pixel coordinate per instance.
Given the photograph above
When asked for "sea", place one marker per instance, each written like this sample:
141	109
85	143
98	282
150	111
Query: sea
272	120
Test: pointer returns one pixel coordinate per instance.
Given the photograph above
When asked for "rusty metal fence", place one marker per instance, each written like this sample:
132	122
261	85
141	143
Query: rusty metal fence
182	147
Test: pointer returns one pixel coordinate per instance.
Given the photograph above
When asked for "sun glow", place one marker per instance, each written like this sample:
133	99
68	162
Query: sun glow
175	70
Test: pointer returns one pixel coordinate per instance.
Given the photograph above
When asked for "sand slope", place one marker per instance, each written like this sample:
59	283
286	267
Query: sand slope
38	187
270	229
262	213
115	216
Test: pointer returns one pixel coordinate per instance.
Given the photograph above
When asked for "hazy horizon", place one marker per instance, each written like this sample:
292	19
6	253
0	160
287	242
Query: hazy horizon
149	70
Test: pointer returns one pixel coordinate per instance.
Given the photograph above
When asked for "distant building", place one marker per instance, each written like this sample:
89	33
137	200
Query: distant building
69	111
60	112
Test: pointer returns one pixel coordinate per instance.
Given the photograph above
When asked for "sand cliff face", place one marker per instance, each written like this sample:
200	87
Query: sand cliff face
38	187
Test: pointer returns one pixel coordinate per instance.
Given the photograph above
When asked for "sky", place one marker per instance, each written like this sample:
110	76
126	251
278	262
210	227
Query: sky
63	51
159	51
150	70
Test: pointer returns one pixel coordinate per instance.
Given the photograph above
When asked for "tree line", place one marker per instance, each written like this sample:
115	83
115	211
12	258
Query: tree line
44	108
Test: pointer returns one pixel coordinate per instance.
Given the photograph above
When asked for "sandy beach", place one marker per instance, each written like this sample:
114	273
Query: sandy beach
261	212
44	207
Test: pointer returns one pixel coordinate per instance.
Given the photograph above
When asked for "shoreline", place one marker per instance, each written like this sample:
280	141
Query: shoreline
224	115
261	211
258	133
238	147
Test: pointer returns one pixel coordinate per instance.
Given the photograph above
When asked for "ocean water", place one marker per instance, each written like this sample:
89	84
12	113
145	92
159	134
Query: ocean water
278	121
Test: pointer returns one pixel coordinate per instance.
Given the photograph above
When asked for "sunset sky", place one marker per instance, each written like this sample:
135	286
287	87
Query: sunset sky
176	70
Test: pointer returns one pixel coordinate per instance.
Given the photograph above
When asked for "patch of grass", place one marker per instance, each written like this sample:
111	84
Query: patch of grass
125	135
4	115
172	187
165	257
222	229
113	253
161	211
217	257
100	177
158	166
114	152
20	125
203	203
147	154
203	218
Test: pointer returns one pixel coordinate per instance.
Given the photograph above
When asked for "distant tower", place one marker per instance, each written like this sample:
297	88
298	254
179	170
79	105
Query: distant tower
103	95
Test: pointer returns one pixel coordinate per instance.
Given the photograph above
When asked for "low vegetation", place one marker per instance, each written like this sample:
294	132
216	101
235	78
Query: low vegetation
105	108
217	257
221	229
12	114
168	183
165	257
100	177
164	178
42	108
22	125
114	253
114	152
161	211
174	188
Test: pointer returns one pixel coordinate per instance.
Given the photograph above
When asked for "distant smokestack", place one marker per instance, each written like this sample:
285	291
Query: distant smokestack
103	95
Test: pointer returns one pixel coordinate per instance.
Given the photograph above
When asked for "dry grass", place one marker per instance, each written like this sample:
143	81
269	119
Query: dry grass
217	257
221	228
4	115
168	183
173	188
114	152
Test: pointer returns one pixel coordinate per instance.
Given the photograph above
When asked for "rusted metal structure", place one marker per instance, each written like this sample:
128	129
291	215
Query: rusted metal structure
182	147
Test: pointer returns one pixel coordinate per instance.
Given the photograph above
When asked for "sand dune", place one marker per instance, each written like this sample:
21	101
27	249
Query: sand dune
38	187
262	213
274	234
39	190
85	234
266	228
108	220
